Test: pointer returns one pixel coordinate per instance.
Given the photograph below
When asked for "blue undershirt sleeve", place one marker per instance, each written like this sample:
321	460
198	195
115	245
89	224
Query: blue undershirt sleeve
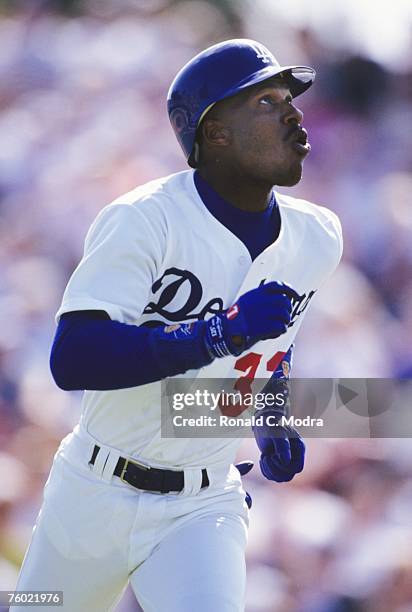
92	352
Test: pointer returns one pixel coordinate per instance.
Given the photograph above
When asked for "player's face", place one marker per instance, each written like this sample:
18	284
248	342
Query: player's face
267	140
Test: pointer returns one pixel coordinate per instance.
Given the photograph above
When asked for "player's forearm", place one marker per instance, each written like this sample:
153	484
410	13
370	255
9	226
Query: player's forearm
95	353
90	351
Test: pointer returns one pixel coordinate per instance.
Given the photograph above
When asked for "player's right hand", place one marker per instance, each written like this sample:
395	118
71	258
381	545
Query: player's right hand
259	314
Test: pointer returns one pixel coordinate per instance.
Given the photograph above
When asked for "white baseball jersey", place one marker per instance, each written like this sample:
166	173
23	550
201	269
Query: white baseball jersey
157	254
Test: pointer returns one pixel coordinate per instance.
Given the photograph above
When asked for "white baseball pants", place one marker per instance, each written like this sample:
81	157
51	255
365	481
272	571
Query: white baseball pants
94	533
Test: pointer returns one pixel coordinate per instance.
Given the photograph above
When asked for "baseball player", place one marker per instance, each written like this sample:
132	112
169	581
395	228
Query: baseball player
207	272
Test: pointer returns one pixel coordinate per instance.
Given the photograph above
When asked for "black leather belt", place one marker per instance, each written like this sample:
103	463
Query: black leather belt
148	478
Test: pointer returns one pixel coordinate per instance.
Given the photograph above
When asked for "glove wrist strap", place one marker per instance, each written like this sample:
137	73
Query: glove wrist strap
215	341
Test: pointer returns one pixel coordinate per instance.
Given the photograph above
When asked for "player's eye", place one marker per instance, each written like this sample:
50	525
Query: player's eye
267	100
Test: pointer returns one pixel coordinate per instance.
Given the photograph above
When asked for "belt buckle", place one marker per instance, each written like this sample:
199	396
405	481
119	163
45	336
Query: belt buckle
140	465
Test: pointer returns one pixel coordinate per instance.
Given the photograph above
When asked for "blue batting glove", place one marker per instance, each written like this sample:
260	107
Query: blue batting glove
259	314
282	449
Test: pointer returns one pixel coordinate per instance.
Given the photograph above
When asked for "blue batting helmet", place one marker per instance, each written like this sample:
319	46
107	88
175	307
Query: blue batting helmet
218	72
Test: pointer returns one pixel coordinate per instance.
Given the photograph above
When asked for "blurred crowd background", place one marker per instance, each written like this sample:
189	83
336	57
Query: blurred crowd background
83	119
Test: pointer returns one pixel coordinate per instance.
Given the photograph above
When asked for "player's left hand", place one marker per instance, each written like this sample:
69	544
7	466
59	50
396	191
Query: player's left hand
282	449
244	468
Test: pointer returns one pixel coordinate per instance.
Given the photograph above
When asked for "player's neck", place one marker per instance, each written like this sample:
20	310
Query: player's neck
243	194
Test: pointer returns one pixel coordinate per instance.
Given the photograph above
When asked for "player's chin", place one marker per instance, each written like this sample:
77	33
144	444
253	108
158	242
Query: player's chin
291	176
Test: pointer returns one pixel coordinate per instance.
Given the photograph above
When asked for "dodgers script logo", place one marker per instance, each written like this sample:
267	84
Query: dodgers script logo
177	297
179	294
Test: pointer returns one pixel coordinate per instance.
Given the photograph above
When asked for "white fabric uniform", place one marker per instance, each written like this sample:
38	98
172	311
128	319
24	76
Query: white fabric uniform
158	254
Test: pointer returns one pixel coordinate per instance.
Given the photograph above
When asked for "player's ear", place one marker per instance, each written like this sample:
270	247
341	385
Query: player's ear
215	133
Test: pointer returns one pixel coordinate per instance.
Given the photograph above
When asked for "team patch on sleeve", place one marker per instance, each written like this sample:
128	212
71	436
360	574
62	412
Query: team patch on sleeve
179	330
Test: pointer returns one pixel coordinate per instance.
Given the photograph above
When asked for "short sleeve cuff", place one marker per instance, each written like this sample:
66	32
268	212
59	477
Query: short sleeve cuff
114	312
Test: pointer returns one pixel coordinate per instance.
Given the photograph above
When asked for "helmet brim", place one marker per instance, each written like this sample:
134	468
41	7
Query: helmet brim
299	79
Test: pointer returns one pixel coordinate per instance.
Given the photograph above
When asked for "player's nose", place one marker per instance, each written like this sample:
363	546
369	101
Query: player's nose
294	116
